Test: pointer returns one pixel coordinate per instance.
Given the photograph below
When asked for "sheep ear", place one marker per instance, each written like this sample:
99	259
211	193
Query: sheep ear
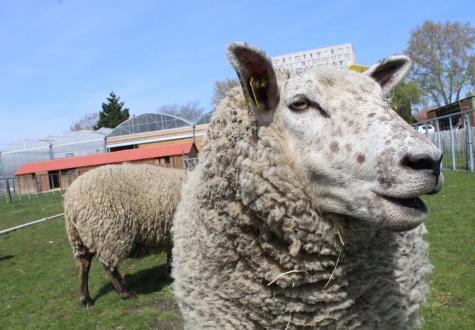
258	80
389	71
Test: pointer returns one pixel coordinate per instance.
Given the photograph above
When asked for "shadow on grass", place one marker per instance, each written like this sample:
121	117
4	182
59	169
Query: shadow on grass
143	282
5	257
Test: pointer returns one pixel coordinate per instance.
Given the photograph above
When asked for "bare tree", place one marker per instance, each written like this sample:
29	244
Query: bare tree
190	111
444	59
221	87
88	121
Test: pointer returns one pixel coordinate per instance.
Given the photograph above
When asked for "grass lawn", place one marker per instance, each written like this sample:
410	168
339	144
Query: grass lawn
40	283
40	286
451	236
24	211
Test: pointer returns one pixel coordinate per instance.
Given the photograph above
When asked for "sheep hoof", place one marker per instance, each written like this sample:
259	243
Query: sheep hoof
128	295
87	301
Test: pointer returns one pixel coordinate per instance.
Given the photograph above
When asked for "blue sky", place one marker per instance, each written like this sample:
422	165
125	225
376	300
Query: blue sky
60	59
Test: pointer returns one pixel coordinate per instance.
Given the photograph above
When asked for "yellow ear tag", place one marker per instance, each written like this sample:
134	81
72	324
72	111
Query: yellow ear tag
256	85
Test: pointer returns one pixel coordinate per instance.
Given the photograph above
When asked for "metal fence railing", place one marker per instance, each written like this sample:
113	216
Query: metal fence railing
453	134
34	186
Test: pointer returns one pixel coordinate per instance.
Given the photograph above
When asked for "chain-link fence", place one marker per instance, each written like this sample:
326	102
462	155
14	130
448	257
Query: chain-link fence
453	134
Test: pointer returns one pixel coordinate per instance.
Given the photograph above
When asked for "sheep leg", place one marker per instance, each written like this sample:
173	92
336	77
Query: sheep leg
168	267
85	265
119	283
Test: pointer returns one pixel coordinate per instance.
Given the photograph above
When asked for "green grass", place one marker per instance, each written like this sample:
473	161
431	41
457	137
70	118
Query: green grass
20	212
460	161
451	236
39	282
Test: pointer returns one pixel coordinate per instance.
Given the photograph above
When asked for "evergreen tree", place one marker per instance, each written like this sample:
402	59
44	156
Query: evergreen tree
113	113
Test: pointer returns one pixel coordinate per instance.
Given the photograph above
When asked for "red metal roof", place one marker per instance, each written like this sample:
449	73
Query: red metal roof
106	158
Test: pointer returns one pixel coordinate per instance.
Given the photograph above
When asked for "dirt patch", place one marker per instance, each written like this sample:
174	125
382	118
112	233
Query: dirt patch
166	324
167	305
170	318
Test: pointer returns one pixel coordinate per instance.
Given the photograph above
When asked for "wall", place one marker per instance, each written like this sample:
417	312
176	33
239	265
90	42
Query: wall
176	135
27	183
199	140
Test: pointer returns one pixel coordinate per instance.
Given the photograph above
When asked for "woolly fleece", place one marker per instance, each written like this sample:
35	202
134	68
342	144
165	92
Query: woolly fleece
246	218
120	211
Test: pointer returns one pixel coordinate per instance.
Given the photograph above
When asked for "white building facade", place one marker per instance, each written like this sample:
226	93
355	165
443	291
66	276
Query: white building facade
338	57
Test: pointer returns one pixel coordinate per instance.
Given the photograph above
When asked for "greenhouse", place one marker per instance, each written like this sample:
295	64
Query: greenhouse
77	143
149	122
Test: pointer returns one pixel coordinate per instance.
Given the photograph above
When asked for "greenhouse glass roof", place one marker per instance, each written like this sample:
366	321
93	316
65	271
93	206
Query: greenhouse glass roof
149	122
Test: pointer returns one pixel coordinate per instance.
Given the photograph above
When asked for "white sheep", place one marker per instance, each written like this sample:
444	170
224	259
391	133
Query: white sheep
119	211
304	211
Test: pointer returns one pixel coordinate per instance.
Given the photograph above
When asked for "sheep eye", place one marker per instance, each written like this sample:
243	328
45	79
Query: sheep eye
299	105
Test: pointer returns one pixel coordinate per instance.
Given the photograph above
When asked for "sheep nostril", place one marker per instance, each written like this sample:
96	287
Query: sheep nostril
422	162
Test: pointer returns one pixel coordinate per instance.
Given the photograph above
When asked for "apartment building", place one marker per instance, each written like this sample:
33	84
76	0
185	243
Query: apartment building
338	57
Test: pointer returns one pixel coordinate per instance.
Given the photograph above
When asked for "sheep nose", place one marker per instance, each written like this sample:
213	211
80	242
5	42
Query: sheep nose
422	162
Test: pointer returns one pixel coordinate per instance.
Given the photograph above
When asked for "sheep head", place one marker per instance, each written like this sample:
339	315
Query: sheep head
357	157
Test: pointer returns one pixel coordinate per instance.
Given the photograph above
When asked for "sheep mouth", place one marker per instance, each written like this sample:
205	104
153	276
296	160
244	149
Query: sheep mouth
401	214
414	203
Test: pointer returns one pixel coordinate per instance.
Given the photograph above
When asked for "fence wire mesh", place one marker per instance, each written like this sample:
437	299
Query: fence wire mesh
453	134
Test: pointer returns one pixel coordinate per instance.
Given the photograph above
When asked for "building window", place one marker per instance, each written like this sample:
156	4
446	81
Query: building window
167	160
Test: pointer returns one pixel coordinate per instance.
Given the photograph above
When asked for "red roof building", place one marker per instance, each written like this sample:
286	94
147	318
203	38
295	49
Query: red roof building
56	173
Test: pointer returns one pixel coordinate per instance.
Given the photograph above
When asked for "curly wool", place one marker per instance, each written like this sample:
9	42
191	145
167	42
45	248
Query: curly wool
252	251
120	211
